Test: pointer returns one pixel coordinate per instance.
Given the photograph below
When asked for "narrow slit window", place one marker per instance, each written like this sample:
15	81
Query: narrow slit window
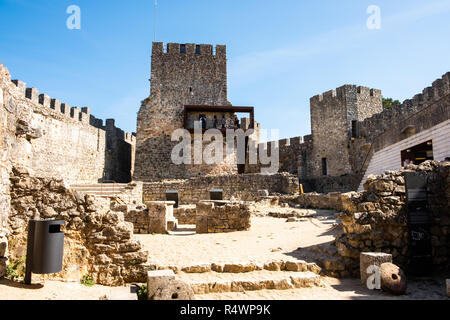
324	167
354	129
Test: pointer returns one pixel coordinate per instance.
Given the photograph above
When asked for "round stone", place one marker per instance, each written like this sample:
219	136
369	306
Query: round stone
174	290
393	279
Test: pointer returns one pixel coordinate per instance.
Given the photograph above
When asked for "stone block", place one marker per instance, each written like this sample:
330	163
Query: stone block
201	225
367	259
158	279
157	225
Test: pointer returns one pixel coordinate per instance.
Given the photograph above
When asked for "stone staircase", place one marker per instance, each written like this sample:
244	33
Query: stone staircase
105	190
241	277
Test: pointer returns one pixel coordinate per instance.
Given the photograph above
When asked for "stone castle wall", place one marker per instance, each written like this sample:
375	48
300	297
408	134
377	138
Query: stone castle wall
222	216
373	126
332	114
97	243
241	187
56	140
348	125
194	76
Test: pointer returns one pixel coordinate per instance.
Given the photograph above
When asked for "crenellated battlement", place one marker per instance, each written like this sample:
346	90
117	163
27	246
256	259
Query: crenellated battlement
81	115
188	49
378	123
295	142
344	91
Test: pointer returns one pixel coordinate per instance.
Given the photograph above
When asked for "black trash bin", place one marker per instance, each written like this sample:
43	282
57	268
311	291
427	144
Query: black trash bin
44	247
172	195
216	194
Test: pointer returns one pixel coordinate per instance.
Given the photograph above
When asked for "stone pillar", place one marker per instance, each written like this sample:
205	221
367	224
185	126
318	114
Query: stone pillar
160	215
203	209
367	259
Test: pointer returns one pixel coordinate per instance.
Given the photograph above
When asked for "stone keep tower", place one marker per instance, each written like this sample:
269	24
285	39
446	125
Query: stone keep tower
334	116
187	74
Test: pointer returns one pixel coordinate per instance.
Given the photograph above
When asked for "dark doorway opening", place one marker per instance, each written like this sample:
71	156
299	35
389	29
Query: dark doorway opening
418	154
324	167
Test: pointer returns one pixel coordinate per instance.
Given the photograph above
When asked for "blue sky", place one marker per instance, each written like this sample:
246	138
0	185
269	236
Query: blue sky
280	53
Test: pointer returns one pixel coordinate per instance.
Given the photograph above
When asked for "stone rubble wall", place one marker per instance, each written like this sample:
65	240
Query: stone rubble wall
49	138
241	187
98	241
222	216
153	217
375	220
380	122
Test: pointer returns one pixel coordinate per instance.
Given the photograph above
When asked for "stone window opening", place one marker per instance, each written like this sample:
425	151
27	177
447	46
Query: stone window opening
197	49
182	48
324	167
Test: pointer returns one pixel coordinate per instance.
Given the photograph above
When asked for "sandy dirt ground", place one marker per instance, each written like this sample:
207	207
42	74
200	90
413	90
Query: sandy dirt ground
268	239
58	290
345	289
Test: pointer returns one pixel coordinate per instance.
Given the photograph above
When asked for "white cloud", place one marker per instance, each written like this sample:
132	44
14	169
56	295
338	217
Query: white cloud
251	67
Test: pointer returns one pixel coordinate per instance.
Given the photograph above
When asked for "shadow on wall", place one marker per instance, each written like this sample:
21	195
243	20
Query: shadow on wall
119	154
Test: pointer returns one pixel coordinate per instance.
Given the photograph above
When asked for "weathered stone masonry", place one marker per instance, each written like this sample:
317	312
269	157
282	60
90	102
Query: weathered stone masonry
348	125
375	220
241	187
195	76
56	140
52	141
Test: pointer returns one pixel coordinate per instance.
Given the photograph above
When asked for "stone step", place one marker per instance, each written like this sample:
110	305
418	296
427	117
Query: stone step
213	282
246	267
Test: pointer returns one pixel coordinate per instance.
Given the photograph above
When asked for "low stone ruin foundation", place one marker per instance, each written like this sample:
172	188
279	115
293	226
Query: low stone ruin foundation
222	216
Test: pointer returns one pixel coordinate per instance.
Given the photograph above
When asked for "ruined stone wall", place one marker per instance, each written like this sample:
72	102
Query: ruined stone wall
241	187
195	76
375	220
98	242
222	216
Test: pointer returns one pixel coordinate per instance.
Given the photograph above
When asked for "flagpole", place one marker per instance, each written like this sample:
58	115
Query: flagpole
154	21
